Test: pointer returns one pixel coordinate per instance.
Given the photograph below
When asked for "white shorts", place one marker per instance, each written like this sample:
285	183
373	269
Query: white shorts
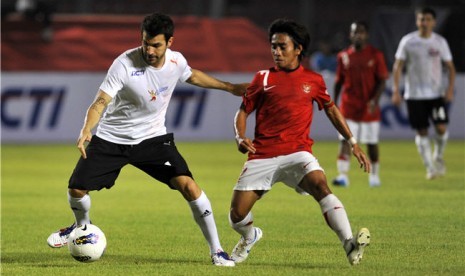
262	174
365	133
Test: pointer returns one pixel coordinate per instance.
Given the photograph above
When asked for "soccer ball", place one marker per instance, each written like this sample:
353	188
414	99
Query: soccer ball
87	243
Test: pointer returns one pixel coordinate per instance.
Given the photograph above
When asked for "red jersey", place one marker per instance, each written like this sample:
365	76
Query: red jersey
359	72
283	102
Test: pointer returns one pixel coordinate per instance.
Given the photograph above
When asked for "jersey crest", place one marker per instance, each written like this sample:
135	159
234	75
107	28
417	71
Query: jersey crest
153	95
306	88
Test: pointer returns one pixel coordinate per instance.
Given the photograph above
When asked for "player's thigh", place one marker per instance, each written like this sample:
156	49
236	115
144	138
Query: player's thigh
159	158
439	112
369	132
418	113
295	167
101	167
257	175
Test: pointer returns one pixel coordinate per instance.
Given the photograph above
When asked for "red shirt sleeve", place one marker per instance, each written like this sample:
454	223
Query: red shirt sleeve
382	72
339	69
322	97
253	93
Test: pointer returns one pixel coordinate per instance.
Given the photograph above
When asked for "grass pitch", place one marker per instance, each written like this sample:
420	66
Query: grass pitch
417	226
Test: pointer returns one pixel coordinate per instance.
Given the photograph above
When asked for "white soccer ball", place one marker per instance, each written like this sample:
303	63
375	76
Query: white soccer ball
87	243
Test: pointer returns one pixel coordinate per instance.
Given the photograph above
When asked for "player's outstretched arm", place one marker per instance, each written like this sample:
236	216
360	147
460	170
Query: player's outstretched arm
336	118
201	79
94	112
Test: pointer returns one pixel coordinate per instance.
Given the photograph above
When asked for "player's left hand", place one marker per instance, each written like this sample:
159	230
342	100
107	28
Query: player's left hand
361	158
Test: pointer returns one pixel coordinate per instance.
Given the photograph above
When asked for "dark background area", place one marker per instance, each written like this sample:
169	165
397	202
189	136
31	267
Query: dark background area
327	20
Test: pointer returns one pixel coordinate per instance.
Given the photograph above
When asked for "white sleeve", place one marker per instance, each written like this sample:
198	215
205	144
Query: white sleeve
401	52
446	55
115	78
185	69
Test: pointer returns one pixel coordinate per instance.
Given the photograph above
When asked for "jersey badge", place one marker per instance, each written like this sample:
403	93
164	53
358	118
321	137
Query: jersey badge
306	88
153	95
371	62
433	52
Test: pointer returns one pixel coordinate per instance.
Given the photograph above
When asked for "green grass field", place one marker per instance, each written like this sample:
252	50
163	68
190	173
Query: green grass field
417	226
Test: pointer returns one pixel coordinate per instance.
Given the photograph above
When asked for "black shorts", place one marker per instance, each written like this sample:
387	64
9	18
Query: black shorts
158	157
420	112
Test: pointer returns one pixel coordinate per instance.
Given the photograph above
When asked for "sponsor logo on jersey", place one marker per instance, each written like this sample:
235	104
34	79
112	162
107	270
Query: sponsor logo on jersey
163	89
137	73
174	61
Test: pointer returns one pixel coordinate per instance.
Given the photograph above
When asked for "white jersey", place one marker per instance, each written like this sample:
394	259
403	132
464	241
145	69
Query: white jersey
423	58
141	94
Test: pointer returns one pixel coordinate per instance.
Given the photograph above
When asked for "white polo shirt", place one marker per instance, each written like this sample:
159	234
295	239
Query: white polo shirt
423	59
141	94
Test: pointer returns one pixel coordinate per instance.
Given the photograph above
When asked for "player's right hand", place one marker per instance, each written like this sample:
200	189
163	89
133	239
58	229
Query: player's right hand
396	99
85	136
245	145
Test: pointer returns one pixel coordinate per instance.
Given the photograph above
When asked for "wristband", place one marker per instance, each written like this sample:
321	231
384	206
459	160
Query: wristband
239	140
352	141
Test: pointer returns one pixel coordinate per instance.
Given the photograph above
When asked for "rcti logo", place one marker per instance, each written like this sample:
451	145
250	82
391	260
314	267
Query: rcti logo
27	105
87	239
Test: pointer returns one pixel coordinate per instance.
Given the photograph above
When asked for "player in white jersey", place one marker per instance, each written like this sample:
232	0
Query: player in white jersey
136	93
424	52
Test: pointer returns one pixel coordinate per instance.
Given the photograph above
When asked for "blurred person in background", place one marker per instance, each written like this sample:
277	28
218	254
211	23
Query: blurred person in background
38	10
361	77
423	53
136	93
282	98
323	59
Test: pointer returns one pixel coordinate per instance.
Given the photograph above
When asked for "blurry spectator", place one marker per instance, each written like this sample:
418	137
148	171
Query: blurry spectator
323	59
39	10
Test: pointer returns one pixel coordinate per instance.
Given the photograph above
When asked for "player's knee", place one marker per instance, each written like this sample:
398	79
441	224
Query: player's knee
77	193
235	216
316	186
187	187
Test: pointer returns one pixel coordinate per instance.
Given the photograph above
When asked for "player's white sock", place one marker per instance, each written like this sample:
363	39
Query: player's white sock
80	207
244	227
424	148
374	168
203	215
336	217
440	142
343	164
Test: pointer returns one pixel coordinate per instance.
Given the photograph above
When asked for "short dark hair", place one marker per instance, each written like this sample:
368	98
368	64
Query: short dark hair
156	24
426	10
297	32
361	23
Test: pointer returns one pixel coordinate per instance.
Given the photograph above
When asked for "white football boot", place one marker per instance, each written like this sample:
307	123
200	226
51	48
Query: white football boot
374	180
222	259
440	166
354	247
242	249
60	238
